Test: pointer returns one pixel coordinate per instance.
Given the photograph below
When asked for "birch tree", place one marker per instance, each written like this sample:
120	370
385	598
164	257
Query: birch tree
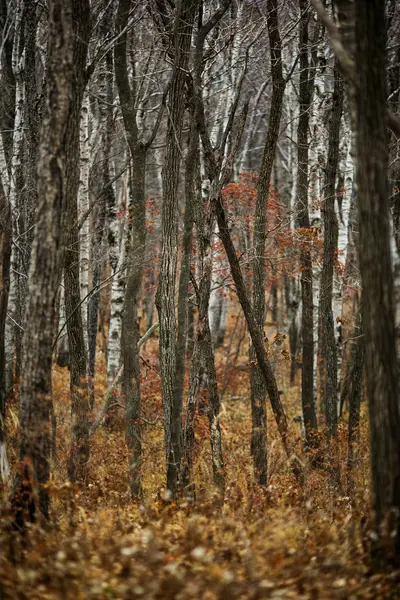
329	348
7	110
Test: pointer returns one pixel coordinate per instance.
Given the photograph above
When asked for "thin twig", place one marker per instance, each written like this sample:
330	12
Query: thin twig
109	395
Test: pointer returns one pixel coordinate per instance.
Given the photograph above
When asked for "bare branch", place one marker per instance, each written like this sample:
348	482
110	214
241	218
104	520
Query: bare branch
345	61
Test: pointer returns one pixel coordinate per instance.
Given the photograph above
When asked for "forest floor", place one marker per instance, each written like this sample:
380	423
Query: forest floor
278	543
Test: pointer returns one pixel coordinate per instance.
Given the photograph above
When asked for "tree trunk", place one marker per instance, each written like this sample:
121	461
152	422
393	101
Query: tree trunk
5	255
329	351
135	266
130	323
32	114
83	210
117	242
30	491
376	269
79	454
354	393
165	297
303	222
258	388
191	200
18	267
7	114
256	336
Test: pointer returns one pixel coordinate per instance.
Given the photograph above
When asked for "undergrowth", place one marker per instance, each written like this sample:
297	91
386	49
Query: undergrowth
284	541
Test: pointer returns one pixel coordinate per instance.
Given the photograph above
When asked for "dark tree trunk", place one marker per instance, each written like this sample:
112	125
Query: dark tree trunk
165	297
30	493
354	393
32	119
79	454
101	183
7	83
303	222
96	251
256	336
329	351
136	251
376	268
258	388
184	276
130	323
186	468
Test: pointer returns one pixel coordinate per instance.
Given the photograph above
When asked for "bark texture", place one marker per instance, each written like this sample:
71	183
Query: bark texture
303	222
130	323
329	350
376	268
165	297
258	388
30	493
5	255
256	336
79	453
354	391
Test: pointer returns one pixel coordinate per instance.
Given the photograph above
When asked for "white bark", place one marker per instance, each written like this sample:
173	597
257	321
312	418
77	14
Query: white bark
3	170
346	168
318	158
117	229
16	164
83	209
17	66
62	344
4	465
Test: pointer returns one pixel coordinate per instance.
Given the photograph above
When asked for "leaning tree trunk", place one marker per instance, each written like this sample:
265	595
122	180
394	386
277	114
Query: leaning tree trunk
376	270
79	454
257	338
31	493
258	389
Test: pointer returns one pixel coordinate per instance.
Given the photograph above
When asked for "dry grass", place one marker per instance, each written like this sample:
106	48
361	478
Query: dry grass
283	542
